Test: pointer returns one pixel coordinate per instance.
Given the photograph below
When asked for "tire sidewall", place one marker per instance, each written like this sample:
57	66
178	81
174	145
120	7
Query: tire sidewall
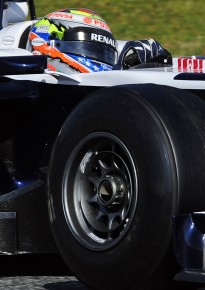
124	115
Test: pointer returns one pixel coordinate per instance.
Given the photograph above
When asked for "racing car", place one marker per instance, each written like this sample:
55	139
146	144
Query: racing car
99	166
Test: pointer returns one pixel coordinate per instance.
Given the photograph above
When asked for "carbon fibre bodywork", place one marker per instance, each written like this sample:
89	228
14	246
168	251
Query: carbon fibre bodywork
31	115
189	245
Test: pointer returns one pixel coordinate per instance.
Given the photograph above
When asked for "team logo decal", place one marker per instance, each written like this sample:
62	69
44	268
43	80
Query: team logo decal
8	40
191	64
87	20
42	29
36	52
103	39
38	41
84	18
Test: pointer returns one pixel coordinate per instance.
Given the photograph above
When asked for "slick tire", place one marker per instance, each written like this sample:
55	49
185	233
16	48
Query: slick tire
125	161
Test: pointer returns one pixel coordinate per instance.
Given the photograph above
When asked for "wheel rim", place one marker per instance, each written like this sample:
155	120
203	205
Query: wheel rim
99	191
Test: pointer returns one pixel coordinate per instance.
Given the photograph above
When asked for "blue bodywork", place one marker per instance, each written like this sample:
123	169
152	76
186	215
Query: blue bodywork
189	246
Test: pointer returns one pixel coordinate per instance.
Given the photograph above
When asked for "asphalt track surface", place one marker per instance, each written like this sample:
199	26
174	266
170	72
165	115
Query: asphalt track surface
41	283
36	273
42	273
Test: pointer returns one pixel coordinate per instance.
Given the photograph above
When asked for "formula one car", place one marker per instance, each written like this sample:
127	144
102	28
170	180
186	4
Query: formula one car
95	166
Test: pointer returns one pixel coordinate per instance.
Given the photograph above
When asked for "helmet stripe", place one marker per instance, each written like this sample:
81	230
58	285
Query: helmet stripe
55	53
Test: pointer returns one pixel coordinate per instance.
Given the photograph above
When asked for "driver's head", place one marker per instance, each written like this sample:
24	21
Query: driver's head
74	40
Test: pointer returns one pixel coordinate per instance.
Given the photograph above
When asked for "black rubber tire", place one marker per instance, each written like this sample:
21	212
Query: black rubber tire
144	146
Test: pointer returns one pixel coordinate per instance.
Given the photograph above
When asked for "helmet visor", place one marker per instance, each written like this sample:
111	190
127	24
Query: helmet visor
96	51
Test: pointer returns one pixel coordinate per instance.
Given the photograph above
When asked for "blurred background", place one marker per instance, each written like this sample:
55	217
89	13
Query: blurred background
179	25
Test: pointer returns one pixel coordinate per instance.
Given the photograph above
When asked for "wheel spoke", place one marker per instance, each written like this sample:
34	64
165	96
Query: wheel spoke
103	167
113	220
94	179
104	200
93	200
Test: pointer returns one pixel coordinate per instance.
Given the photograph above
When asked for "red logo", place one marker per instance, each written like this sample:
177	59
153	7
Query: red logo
87	20
190	64
51	67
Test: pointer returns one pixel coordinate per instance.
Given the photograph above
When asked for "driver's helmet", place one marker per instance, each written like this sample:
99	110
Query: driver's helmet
74	40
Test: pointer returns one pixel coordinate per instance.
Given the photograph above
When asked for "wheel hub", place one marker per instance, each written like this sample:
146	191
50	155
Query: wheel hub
111	191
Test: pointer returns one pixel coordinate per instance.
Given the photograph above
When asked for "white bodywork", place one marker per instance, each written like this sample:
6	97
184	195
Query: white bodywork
9	42
15	12
11	35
